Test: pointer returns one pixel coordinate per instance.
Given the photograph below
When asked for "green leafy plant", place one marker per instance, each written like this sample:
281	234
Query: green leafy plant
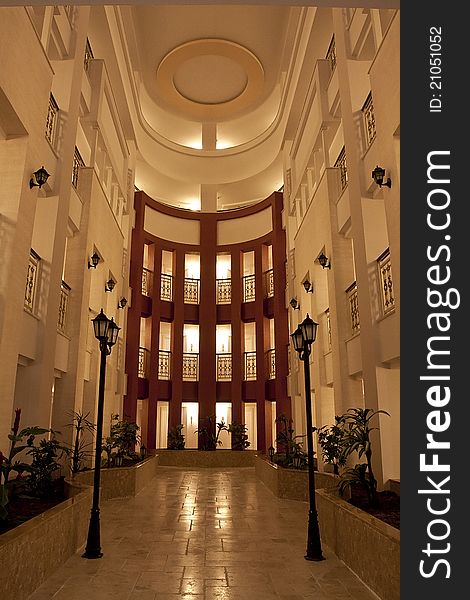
123	437
289	446
41	482
78	451
20	440
239	436
176	438
357	430
209	433
331	440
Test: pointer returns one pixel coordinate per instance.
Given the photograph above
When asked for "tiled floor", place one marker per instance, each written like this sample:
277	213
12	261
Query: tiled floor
203	534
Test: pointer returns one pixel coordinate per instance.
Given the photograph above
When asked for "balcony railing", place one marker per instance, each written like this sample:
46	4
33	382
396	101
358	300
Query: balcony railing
331	54
143	362
249	366
343	170
351	294
164	364
78	163
224	367
190	366
328	328
386	282
369	120
191	291
224	291
51	121
269	283
32	282
147	282
88	55
249	293
63	304
271	363
166	287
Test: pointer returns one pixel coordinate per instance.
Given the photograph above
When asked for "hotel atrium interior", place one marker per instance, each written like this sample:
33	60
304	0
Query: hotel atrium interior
206	175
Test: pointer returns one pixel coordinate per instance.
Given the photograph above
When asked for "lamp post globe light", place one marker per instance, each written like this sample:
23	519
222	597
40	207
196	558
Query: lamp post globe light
302	339
106	332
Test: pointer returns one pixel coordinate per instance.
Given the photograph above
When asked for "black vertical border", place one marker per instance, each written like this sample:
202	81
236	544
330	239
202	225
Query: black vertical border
422	132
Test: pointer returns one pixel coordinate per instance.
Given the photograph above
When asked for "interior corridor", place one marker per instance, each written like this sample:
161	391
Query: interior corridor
203	534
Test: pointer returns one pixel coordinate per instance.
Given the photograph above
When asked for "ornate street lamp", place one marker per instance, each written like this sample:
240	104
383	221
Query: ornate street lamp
106	332
302	339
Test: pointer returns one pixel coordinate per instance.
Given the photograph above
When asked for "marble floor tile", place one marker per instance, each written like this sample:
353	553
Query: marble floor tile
203	534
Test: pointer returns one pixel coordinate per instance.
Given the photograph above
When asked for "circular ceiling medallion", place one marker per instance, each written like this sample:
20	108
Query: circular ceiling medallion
210	79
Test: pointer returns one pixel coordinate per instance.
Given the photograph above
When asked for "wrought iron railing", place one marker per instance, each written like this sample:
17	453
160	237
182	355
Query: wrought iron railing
143	362
63	304
386	281
343	170
190	366
191	291
353	303
249	288
78	163
166	287
249	366
51	121
88	55
147	282
269	283
32	281
224	367
331	54
224	291
328	328
271	363
369	120
164	364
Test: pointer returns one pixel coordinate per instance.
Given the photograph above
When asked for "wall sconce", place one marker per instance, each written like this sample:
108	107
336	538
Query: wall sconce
324	261
39	178
295	305
95	259
308	286
378	175
109	285
122	303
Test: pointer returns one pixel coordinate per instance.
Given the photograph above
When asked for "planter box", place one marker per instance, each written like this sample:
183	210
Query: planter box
31	552
291	484
206	458
121	482
368	546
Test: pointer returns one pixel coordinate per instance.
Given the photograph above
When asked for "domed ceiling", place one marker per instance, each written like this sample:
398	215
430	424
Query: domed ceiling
204	88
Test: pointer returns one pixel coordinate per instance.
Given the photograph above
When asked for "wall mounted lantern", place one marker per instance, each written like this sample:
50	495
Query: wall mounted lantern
39	178
378	175
324	261
109	285
122	303
295	305
308	286
95	259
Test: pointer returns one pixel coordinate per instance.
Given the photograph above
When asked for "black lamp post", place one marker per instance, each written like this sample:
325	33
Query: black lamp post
303	338
106	331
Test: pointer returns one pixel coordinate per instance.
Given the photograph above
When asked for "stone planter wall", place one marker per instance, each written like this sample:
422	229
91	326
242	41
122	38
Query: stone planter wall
31	552
370	547
206	458
290	483
121	482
